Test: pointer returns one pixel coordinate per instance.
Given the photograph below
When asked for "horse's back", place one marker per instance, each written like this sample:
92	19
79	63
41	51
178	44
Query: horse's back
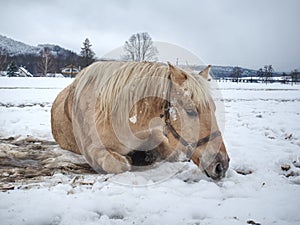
107	78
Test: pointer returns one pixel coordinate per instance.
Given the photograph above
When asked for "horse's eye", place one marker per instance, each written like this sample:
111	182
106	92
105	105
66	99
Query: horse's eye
191	112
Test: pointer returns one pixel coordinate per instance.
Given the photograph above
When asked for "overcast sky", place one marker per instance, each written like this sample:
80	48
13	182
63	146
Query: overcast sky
232	32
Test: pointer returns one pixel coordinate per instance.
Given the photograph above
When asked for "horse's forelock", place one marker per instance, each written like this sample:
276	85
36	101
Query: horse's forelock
199	88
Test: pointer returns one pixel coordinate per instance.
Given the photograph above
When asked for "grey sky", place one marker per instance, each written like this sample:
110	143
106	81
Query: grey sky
232	32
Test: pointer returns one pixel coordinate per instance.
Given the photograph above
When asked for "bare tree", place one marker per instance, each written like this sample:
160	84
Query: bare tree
236	73
46	62
140	48
3	59
268	73
260	74
295	75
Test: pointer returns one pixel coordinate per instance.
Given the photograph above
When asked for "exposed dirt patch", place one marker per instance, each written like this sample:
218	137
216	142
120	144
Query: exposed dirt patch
29	160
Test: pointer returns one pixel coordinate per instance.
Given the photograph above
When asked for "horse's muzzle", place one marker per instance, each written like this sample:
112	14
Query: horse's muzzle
217	167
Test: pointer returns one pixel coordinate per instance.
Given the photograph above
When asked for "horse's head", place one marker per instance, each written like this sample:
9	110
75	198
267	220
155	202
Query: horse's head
191	122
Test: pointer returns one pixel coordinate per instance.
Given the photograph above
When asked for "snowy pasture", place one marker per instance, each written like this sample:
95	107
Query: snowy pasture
262	185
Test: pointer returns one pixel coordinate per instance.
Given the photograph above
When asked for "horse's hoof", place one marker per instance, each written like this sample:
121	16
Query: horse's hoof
115	163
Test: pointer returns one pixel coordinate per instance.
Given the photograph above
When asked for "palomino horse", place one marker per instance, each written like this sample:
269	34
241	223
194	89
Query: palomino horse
113	111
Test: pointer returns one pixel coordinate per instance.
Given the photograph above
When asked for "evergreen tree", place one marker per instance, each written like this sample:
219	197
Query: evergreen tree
12	69
87	55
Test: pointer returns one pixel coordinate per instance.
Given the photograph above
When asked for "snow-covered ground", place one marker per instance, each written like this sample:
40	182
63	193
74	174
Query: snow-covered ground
262	135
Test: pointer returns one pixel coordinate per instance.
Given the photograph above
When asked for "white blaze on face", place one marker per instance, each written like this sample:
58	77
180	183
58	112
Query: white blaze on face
133	119
173	114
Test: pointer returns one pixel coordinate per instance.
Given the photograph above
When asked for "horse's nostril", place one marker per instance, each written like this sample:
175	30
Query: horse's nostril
218	168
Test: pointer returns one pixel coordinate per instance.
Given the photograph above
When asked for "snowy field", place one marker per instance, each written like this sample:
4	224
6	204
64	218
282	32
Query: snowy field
262	185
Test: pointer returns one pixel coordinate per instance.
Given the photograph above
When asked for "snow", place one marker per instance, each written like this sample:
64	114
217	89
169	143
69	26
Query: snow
173	113
25	105
133	119
261	134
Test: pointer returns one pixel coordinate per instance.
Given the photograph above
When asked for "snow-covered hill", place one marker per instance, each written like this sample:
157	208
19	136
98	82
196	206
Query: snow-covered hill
226	71
12	47
16	48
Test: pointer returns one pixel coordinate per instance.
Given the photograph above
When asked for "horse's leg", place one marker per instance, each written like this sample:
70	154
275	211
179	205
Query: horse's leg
166	151
163	147
107	160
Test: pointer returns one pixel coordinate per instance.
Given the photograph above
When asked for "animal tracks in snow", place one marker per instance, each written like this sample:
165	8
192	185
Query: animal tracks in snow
292	171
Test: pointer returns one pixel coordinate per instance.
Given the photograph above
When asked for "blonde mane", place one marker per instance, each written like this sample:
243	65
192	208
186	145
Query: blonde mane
121	85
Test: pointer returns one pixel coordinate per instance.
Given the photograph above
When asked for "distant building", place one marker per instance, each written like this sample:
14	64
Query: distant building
22	72
70	71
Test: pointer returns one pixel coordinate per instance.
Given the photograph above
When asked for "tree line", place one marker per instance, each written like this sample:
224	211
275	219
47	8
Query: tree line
47	62
265	75
139	47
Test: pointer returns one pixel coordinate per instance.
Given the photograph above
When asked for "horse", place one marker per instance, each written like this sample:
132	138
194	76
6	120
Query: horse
117	114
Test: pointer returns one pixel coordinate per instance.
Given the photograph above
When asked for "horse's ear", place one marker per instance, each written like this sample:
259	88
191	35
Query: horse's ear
177	75
204	73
